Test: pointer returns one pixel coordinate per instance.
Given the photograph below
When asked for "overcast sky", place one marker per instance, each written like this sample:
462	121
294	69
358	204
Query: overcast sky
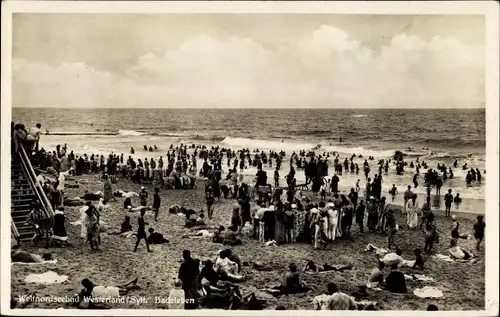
244	60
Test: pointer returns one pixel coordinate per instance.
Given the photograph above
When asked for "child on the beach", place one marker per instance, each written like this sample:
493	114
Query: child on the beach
141	231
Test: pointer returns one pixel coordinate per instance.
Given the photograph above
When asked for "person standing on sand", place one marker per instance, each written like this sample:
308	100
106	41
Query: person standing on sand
108	189
391	228
408	194
448	200
141	231
412	215
143	196
156	203
209	196
368	189
360	216
188	274
430	233
479	231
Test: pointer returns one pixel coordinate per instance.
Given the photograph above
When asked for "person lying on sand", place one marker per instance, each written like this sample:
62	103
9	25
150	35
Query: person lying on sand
393	258
139	208
227	269
457	252
129	194
155	237
312	267
92	196
27	257
91	291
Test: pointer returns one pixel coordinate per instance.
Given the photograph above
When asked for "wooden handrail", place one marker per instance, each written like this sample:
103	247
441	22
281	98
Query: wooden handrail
28	168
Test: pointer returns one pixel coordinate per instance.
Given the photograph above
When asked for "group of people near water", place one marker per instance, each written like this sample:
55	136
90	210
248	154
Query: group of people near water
279	214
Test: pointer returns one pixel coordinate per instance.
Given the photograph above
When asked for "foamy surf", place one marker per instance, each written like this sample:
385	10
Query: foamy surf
130	133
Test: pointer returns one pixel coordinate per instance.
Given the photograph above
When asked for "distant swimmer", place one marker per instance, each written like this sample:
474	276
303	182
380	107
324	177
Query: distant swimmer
340	140
156	148
132	151
282	141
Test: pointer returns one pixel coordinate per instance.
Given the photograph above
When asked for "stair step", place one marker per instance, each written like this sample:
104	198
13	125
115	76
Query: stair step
19	217
21	200
20	206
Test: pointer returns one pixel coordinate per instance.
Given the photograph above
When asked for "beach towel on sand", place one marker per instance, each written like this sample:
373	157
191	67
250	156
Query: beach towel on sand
46	278
105	292
428	292
419	277
42	262
447	258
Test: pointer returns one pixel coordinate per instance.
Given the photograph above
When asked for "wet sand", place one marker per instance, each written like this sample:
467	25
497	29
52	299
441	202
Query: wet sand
463	284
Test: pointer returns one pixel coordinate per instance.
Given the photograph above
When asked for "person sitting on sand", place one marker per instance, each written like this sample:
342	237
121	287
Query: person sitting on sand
227	269
432	307
126	226
129	194
200	221
209	274
217	237
395	281
292	283
233	257
376	278
334	300
99	293
176	296
315	268
455	229
127	203
419	260
458	253
155	237
231	237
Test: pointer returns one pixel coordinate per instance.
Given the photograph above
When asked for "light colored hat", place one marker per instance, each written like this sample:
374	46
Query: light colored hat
372	198
454	217
294	206
330	205
142	187
271	208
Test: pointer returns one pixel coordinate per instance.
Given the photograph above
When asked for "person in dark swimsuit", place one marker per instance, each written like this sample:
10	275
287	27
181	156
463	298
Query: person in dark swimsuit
141	231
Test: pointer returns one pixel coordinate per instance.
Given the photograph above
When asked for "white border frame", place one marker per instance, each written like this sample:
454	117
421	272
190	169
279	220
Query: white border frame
490	9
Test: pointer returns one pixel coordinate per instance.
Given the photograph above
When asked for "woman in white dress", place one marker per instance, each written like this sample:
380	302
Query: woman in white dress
412	216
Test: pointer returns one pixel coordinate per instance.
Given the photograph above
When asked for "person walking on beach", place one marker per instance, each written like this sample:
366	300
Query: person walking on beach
393	191
412	209
156	203
141	231
448	200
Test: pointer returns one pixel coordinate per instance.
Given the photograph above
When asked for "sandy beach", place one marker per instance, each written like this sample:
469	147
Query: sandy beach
463	284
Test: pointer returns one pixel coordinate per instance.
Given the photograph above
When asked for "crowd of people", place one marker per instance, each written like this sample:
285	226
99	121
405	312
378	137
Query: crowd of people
272	214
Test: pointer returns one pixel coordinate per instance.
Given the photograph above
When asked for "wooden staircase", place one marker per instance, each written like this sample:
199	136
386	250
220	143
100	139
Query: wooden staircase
22	196
25	190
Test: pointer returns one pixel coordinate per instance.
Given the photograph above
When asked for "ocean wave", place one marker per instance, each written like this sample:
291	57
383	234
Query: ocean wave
297	146
358	115
130	133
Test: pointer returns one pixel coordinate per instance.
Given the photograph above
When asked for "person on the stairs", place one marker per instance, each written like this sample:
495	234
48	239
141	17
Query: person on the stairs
34	218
